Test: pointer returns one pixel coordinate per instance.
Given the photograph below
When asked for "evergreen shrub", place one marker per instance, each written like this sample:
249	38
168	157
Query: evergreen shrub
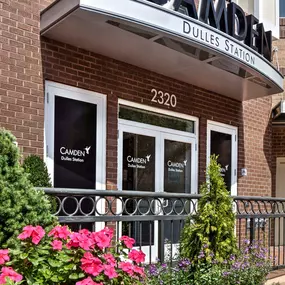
37	170
211	229
20	203
38	175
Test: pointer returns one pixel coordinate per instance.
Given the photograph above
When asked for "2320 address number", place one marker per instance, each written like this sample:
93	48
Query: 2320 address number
164	98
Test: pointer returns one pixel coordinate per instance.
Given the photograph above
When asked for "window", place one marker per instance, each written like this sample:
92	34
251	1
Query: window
282	8
75	134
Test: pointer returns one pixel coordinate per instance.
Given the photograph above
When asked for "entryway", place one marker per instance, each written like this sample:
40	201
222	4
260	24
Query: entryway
157	153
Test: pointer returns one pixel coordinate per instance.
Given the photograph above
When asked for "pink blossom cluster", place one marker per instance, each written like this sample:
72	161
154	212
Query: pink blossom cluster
97	258
7	272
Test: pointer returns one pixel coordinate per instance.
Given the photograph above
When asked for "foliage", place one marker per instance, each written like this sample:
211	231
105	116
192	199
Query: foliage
213	224
81	258
163	273
38	175
20	204
249	266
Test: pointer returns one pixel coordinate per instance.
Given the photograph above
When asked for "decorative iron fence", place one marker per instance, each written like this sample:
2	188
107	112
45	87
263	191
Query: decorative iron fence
155	220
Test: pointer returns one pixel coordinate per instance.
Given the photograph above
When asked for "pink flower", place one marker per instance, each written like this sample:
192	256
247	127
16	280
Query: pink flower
91	265
137	256
60	232
88	281
108	232
110	271
127	267
139	270
110	259
80	240
129	242
84	232
56	245
4	256
27	232
36	233
101	239
8	272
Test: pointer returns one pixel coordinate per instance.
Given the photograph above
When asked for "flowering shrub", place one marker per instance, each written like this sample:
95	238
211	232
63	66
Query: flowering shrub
64	257
249	267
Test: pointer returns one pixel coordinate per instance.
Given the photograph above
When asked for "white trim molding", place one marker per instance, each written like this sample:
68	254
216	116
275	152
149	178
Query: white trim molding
233	131
53	89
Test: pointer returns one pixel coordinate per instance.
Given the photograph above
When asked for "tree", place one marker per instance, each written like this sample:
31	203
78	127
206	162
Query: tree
20	203
38	175
211	229
37	170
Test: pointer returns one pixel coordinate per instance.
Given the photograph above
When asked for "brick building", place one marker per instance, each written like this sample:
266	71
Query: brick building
112	101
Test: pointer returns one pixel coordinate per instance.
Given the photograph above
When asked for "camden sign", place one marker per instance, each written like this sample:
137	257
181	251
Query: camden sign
228	18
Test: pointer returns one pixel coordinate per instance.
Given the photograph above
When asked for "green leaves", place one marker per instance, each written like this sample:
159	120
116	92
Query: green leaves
76	276
213	225
20	203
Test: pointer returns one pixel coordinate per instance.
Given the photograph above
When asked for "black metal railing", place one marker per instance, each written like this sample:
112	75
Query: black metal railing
155	220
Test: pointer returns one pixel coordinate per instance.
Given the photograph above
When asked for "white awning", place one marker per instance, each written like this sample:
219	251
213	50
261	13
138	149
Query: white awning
164	41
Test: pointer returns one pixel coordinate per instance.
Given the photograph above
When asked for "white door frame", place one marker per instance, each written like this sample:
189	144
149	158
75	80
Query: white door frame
160	134
279	227
53	89
279	160
233	131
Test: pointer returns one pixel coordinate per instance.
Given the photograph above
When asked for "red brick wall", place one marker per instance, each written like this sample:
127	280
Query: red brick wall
21	85
72	66
21	95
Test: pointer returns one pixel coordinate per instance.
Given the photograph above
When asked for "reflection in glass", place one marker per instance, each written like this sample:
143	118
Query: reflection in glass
221	145
151	118
177	179
139	175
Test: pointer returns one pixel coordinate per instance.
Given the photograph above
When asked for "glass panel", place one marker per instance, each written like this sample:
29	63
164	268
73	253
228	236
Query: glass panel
282	8
138	174
221	145
177	179
75	151
74	144
141	116
177	166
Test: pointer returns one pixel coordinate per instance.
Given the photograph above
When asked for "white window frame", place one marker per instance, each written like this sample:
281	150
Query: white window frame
233	131
52	89
195	135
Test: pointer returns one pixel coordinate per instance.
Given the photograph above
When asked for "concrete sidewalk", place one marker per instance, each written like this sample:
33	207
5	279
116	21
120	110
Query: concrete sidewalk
276	277
278	280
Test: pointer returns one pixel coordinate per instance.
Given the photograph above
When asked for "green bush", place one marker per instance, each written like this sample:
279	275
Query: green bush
213	224
20	203
38	175
37	170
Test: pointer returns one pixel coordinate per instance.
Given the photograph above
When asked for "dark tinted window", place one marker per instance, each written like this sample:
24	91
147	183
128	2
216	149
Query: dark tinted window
74	144
282	8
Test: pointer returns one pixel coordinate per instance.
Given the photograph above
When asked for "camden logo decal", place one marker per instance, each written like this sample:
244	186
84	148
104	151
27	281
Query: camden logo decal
138	162
224	170
74	155
176	166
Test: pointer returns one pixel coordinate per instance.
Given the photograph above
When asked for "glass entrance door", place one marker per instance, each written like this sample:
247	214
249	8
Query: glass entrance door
178	178
154	159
